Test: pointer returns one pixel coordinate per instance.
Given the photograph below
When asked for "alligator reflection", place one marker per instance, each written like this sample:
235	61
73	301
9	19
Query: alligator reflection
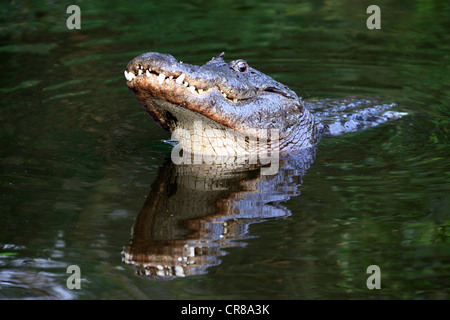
194	211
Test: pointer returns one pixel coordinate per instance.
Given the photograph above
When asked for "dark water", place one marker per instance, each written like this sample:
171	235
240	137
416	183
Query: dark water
81	163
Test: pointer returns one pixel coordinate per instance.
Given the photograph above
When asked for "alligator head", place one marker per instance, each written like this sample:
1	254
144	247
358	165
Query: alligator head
224	98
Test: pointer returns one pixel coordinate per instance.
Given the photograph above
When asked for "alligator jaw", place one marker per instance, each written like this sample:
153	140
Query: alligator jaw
155	88
225	96
157	80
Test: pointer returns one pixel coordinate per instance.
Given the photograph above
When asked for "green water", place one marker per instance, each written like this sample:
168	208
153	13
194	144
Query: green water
78	155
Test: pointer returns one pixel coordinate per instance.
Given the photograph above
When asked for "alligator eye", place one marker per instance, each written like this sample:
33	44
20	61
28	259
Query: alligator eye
241	66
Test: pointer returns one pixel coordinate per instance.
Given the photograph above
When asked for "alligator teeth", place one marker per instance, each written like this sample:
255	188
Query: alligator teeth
200	90
192	88
224	94
147	73
180	79
235	100
161	78
129	75
140	72
185	84
171	77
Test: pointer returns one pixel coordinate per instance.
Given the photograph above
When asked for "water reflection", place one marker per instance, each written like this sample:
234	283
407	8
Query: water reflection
194	211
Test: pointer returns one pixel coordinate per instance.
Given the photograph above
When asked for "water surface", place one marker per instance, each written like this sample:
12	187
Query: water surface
79	158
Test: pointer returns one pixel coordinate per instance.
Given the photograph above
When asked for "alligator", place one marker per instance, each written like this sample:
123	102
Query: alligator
238	99
194	211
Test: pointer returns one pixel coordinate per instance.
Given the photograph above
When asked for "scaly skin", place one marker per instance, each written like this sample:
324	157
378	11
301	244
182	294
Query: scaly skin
223	96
